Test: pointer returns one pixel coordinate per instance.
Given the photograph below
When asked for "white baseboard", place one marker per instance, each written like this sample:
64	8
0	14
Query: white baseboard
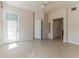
77	43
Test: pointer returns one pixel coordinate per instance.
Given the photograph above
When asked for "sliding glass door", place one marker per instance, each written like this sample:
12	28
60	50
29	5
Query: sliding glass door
11	28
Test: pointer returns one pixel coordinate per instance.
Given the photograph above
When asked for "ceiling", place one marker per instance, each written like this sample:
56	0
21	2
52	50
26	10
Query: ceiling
37	5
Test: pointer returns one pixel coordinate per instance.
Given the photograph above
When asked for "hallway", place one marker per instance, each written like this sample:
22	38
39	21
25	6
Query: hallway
39	48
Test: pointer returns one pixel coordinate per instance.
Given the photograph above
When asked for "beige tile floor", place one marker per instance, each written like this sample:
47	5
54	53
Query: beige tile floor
39	49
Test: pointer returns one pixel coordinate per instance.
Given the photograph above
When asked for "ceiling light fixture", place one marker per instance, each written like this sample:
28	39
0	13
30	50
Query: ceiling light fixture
45	4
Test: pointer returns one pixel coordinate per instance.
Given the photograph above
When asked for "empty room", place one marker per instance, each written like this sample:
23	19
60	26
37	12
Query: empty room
39	29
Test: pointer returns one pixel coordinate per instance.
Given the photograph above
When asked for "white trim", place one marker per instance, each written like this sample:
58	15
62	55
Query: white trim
77	43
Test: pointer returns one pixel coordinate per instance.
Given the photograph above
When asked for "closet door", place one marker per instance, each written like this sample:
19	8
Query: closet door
38	29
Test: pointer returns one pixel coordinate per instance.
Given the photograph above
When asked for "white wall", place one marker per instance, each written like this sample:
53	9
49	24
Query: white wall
25	22
73	25
46	25
39	15
58	14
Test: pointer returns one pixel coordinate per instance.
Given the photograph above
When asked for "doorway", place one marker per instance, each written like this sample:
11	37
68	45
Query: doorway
58	28
11	28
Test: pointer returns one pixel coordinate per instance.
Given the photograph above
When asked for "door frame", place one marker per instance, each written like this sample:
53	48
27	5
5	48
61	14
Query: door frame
53	25
34	27
4	15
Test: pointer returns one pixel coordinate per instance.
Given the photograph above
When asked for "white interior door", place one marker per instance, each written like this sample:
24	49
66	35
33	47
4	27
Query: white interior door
11	28
38	29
